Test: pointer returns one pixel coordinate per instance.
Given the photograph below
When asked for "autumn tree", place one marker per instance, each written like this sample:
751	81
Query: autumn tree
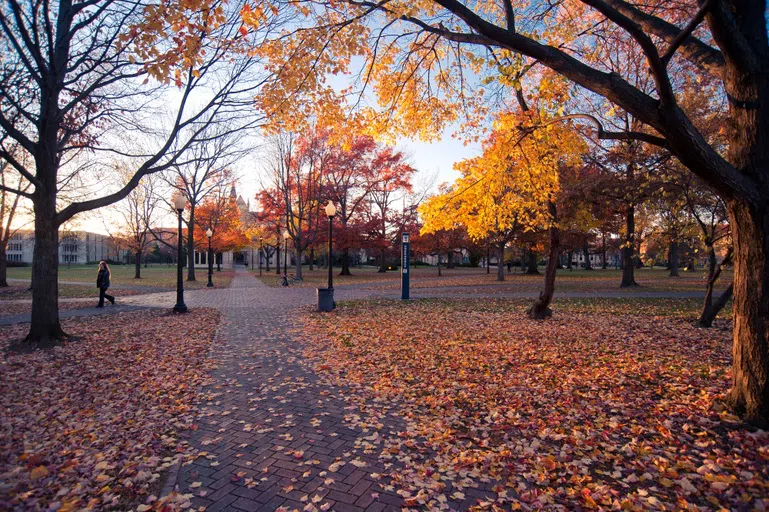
391	181
352	174
220	213
135	215
9	204
76	73
295	187
511	188
205	169
710	215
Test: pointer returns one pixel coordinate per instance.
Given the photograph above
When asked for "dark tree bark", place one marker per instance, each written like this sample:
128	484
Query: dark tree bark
569	262
3	267
382	262
628	262
710	309
439	264
450	258
586	252
531	264
541	307
191	246
488	258
501	261
673	258
298	254
45	328
312	257
138	265
749	395
345	263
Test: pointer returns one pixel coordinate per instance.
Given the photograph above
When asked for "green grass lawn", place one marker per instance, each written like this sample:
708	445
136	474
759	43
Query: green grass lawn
155	276
651	280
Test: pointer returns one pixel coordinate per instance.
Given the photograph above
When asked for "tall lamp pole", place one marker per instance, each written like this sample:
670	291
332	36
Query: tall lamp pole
285	257
210	284
330	212
261	254
326	295
179	203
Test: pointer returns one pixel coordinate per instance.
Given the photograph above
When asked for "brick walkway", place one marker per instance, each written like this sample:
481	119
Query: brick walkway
272	434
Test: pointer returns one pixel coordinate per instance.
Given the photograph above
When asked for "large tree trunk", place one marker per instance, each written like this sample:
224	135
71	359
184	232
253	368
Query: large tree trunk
138	265
628	262
541	307
531	264
749	396
298	255
312	257
191	246
450	258
501	261
488	258
345	263
267	260
586	252
673	258
277	261
569	262
382	263
439	263
45	327
3	266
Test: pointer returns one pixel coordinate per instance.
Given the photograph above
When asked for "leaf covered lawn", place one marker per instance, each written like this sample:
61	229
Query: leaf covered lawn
587	410
92	423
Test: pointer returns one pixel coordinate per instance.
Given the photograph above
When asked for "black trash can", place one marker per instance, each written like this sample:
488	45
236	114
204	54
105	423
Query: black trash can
326	299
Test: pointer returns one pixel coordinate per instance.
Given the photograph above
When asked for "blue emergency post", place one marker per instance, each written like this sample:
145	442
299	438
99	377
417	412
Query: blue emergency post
405	260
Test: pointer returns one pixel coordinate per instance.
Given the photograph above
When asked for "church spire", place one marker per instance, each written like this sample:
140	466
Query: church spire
233	193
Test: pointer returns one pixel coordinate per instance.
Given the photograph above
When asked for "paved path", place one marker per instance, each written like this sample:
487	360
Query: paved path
275	436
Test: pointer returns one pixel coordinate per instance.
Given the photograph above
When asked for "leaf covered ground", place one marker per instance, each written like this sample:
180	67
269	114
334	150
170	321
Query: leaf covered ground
592	409
93	423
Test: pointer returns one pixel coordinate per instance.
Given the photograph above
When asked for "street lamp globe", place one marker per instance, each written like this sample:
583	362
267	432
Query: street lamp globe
330	209
286	236
179	202
209	233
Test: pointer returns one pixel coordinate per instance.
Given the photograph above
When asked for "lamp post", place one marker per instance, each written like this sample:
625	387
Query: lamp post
261	254
209	234
326	295
330	212
285	257
179	204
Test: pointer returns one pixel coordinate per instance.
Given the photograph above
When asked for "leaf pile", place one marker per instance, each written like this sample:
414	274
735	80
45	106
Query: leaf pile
93	422
583	411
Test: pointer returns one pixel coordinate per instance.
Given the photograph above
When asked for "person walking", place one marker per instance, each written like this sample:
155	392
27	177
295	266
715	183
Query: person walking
102	283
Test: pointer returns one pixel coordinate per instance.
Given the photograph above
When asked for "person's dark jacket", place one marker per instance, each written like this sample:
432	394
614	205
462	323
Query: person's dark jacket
102	280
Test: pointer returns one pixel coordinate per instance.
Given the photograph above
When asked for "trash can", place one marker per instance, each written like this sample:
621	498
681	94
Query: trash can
326	299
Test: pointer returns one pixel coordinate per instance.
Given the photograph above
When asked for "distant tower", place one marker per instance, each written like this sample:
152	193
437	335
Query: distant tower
233	192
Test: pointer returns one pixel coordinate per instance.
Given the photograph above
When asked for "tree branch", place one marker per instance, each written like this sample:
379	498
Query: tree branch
687	31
